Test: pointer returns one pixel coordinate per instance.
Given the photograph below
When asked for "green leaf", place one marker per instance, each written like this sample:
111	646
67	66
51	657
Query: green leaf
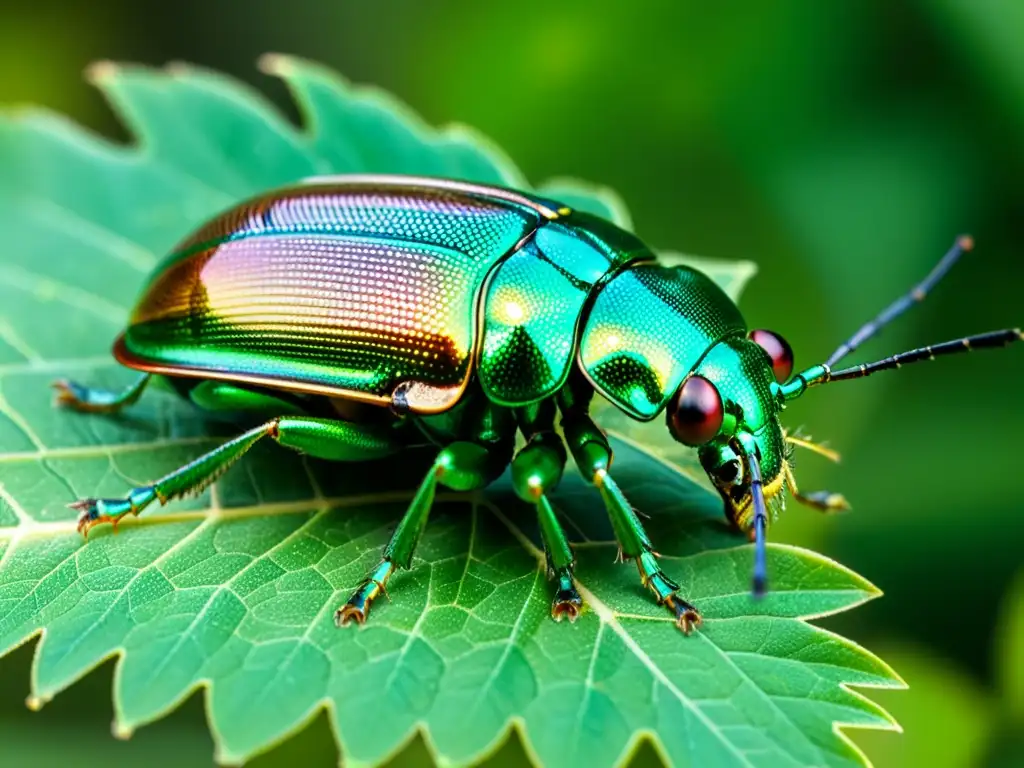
234	591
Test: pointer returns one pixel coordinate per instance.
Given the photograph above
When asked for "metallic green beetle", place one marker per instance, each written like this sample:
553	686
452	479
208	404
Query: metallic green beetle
359	315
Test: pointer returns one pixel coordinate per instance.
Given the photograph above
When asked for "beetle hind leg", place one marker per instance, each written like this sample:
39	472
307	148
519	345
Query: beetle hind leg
78	397
320	438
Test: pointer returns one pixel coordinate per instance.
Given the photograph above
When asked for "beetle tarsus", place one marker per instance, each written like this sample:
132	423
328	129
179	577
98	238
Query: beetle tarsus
93	512
68	394
357	608
824	501
567	603
349	613
566	609
666	592
688	618
89	400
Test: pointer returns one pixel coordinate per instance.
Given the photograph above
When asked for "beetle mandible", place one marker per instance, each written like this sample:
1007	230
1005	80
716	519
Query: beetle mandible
467	313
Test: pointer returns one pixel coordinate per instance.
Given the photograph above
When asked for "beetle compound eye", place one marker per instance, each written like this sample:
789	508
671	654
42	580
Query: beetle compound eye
697	413
778	350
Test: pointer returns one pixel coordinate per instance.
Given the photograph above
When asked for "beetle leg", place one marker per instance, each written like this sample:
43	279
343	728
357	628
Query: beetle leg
461	466
321	438
592	454
222	396
536	470
823	501
89	400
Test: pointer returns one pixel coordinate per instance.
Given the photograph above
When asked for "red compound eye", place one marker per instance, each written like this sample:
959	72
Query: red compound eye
778	350
697	413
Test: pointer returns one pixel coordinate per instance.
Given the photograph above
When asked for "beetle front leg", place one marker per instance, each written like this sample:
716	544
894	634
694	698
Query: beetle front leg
536	470
823	501
592	454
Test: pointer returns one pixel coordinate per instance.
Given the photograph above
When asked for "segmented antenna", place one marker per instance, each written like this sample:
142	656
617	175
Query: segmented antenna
967	344
914	296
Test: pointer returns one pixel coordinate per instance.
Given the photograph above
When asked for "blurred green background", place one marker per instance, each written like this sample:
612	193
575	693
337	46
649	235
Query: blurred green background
840	145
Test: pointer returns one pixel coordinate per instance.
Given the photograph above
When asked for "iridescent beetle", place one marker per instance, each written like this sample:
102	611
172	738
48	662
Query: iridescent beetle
466	313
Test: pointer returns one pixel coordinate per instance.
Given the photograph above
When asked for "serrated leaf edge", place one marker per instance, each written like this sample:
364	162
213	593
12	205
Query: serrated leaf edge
281	65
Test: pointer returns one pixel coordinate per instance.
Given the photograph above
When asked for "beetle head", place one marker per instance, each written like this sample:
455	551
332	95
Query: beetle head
728	409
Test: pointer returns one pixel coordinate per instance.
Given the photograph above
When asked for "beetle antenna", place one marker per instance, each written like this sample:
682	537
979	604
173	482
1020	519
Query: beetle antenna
990	340
914	296
822	374
760	580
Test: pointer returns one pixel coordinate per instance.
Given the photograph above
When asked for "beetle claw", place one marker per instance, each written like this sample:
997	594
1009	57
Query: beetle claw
76	397
66	393
93	512
349	613
87	514
688	618
358	606
567	605
561	611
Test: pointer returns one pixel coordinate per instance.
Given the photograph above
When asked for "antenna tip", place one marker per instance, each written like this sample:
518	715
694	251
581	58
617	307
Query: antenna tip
759	586
966	242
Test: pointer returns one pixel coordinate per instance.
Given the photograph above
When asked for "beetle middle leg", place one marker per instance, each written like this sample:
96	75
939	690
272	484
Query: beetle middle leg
592	454
536	470
463	465
320	438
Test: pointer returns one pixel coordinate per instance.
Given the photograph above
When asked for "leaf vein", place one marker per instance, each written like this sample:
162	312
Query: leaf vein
608	617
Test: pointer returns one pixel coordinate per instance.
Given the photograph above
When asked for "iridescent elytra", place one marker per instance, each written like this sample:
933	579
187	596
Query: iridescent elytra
467	314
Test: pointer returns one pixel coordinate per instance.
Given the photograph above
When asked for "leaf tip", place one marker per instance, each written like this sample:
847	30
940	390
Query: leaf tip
100	72
847	581
746	271
895	682
227	759
120	731
36	703
871	592
276	64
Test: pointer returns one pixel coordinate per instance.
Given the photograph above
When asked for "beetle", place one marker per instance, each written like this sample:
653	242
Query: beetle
361	315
